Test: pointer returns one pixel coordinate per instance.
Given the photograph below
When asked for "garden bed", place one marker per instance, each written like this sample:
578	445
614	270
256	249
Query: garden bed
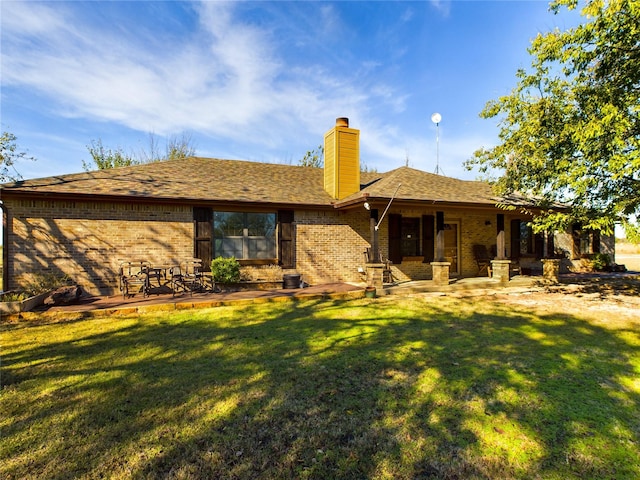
250	285
19	306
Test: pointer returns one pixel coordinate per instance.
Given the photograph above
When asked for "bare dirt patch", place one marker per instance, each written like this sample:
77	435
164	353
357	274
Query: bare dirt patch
604	299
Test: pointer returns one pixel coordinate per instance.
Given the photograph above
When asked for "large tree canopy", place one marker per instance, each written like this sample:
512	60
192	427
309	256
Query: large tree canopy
569	130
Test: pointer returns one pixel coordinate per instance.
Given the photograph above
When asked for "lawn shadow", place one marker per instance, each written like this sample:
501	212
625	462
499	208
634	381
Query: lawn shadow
330	389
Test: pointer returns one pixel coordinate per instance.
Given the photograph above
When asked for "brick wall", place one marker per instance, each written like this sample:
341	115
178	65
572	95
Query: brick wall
330	245
86	240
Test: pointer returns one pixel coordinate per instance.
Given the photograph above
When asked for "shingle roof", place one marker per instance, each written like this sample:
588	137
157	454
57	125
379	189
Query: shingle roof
213	180
416	185
196	179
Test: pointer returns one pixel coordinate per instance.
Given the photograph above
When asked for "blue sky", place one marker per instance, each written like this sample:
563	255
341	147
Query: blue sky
261	81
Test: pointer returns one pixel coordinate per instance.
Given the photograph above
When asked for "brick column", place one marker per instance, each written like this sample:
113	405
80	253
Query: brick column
374	274
440	273
500	270
550	269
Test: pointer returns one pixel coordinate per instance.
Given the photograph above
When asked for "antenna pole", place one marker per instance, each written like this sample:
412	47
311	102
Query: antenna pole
437	148
435	118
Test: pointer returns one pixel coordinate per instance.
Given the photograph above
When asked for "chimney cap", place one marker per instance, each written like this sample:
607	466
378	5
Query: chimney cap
342	122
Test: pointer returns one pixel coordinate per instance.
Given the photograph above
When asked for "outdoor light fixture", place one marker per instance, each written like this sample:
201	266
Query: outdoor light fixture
367	206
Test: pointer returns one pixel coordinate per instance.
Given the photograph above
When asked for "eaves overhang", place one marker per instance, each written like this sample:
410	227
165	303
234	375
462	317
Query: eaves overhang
381	202
156	200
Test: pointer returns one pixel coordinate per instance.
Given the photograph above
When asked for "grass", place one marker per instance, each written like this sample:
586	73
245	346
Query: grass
433	387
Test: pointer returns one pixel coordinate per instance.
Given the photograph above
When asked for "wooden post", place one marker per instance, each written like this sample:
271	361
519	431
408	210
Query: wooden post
440	237
374	255
500	240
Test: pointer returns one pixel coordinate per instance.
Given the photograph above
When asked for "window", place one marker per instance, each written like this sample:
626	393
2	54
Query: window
585	242
244	235
526	243
410	245
526	239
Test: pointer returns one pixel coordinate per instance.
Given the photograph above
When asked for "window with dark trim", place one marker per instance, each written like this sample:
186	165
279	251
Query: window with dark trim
244	235
407	239
524	242
526	239
410	234
585	242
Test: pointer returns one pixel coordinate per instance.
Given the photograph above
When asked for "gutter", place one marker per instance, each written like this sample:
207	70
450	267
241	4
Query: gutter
83	197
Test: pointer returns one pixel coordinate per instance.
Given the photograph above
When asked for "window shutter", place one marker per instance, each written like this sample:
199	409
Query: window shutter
551	245
575	234
395	238
595	244
538	245
286	239
202	231
515	239
428	238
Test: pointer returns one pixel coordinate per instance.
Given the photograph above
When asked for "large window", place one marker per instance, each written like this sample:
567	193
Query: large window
244	235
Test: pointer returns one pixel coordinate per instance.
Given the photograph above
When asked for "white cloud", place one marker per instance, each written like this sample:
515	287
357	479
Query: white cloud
231	78
443	6
226	80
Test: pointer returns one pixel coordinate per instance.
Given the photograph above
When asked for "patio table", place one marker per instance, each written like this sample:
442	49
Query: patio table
161	273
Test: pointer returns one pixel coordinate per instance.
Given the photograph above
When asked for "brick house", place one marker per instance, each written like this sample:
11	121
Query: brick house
317	222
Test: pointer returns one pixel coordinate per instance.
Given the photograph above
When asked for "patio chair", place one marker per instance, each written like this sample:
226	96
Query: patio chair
482	258
387	273
187	277
134	275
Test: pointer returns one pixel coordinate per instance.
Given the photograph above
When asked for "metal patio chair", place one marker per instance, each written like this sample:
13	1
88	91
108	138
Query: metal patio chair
187	277
134	278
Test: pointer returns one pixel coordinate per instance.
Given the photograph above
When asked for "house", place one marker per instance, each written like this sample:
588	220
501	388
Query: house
318	222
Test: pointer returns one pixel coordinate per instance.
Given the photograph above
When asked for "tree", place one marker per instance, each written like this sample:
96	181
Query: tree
9	155
313	158
570	131
104	158
176	147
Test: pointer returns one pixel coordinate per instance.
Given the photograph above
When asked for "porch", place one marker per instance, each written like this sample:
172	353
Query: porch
117	305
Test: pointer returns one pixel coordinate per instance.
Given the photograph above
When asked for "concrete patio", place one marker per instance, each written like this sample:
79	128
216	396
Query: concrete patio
117	305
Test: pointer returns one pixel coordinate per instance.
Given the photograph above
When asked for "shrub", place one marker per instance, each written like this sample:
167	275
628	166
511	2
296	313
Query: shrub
13	297
37	283
225	270
600	261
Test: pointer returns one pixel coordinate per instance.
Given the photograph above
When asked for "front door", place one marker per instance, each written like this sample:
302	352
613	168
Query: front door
452	246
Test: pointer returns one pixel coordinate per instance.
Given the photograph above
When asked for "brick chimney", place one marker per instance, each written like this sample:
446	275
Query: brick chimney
342	160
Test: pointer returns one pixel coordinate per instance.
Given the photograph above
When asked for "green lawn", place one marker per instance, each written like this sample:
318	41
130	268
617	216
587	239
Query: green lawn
395	388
